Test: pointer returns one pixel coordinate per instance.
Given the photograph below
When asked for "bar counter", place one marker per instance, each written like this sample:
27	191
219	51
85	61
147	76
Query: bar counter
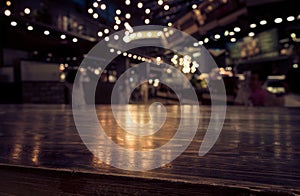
257	153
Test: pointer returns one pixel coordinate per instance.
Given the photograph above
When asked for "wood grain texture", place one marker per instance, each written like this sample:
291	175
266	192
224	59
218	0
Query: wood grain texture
258	149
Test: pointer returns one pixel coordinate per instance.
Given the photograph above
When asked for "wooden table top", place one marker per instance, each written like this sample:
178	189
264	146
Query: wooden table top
257	148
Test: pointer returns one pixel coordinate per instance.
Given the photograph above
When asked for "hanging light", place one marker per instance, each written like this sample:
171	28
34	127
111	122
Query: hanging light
194	6
147	21
75	40
147	11
63	36
233	39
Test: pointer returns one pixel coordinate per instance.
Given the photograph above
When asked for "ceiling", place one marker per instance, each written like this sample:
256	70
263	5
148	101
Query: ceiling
161	11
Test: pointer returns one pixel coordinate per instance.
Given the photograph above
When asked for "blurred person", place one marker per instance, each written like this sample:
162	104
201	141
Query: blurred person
71	83
292	88
144	91
259	96
243	91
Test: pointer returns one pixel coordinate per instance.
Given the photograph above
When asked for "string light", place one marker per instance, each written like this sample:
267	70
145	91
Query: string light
263	22
7	13
27	11
90	11
226	33
118	12
13	23
46	32
147	11
116	37
147	21
106	31
95	4
75	40
251	34
233	39
127	2
63	36
128	16
278	20
253	25
103	6
100	34
30	28
237	29
140	5
217	36
290	18
166	7
95	15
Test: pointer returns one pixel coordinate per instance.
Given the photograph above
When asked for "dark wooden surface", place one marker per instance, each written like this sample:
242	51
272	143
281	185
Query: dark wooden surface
258	150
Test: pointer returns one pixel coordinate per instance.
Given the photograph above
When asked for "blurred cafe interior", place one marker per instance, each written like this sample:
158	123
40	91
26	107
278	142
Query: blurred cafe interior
255	45
44	42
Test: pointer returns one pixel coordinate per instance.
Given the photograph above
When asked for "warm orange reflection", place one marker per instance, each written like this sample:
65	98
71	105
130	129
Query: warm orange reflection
140	114
36	149
17	150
